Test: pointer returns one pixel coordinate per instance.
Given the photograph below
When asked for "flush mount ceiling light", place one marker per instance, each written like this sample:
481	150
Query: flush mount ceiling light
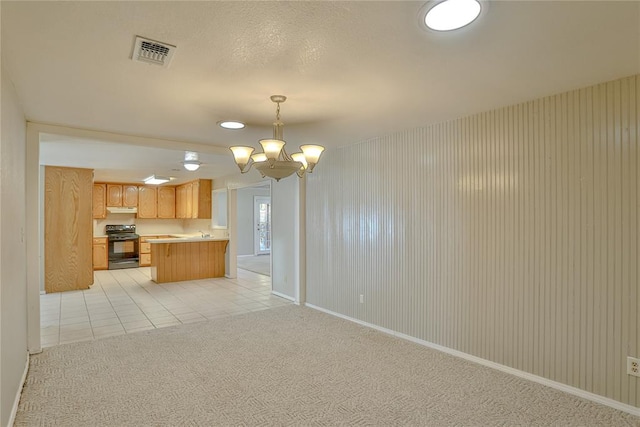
191	162
274	161
231	124
450	15
156	180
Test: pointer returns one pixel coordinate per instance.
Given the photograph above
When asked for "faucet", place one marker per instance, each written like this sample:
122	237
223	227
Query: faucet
203	235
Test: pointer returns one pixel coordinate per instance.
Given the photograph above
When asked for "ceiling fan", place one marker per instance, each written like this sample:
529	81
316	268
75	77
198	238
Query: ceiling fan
191	162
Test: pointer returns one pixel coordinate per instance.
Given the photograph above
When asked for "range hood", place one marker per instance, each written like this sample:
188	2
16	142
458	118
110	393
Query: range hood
119	209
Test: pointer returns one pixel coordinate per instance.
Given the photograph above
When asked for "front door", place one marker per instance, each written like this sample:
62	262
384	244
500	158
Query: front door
262	219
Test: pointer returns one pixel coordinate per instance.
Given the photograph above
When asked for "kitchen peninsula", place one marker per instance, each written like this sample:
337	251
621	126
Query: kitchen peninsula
187	258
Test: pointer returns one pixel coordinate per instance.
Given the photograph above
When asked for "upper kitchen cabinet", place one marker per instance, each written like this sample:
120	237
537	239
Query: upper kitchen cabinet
166	202
99	201
147	202
202	199
193	199
129	195
122	195
114	195
181	204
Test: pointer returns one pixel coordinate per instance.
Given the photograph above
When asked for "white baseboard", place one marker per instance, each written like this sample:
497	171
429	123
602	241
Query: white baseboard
278	294
522	374
16	402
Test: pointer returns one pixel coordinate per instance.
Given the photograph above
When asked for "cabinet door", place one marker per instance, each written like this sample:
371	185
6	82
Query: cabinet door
130	196
195	197
114	195
145	260
99	201
188	206
181	201
100	254
166	202
147	202
202	199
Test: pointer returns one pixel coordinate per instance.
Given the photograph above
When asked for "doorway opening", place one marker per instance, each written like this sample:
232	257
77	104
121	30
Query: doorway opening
254	229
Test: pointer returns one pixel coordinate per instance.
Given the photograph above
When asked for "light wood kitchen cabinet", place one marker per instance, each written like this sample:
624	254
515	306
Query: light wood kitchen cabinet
166	202
129	195
188	207
181	201
145	251
202	199
193	199
144	248
99	201
147	202
68	229
122	195
178	261
114	195
100	253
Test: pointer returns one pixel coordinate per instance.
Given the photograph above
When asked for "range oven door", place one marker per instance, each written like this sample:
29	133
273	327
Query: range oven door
123	254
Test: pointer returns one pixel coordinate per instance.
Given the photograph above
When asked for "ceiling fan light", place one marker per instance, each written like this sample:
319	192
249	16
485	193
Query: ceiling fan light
450	15
192	166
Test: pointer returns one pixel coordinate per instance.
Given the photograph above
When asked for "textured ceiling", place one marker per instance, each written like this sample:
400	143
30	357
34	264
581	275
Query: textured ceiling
351	70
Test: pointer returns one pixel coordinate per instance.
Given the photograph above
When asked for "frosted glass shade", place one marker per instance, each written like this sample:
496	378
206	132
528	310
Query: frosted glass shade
191	165
312	154
299	157
272	148
259	157
241	155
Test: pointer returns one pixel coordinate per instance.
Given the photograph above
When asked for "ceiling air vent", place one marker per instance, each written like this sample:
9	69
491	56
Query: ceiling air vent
152	52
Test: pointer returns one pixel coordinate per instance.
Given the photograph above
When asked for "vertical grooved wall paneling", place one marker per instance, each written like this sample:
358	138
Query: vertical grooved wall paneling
511	235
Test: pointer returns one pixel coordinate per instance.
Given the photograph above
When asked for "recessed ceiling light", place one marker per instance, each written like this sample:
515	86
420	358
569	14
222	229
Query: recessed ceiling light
231	124
450	15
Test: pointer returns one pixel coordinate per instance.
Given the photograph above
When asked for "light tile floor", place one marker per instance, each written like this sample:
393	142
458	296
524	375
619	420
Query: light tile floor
125	301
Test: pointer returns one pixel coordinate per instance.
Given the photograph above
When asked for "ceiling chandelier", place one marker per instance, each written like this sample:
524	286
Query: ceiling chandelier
274	161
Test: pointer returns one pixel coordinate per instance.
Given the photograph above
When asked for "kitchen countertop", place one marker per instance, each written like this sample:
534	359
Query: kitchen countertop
187	239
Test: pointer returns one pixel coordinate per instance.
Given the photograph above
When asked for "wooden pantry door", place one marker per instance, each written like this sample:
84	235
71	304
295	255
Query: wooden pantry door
68	229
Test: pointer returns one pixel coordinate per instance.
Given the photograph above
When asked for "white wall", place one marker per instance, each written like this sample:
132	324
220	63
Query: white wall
285	227
512	235
246	222
13	272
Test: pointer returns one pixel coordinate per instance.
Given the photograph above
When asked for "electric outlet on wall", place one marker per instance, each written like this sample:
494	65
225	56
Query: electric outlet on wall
361	299
633	366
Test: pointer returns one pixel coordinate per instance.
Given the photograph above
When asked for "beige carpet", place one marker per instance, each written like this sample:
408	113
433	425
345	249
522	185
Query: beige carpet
284	366
260	264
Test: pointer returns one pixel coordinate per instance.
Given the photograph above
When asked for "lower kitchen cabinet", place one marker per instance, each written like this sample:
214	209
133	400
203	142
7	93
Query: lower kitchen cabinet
145	249
100	253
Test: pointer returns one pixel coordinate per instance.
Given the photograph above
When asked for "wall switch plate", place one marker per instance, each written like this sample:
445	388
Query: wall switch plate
633	366
361	299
